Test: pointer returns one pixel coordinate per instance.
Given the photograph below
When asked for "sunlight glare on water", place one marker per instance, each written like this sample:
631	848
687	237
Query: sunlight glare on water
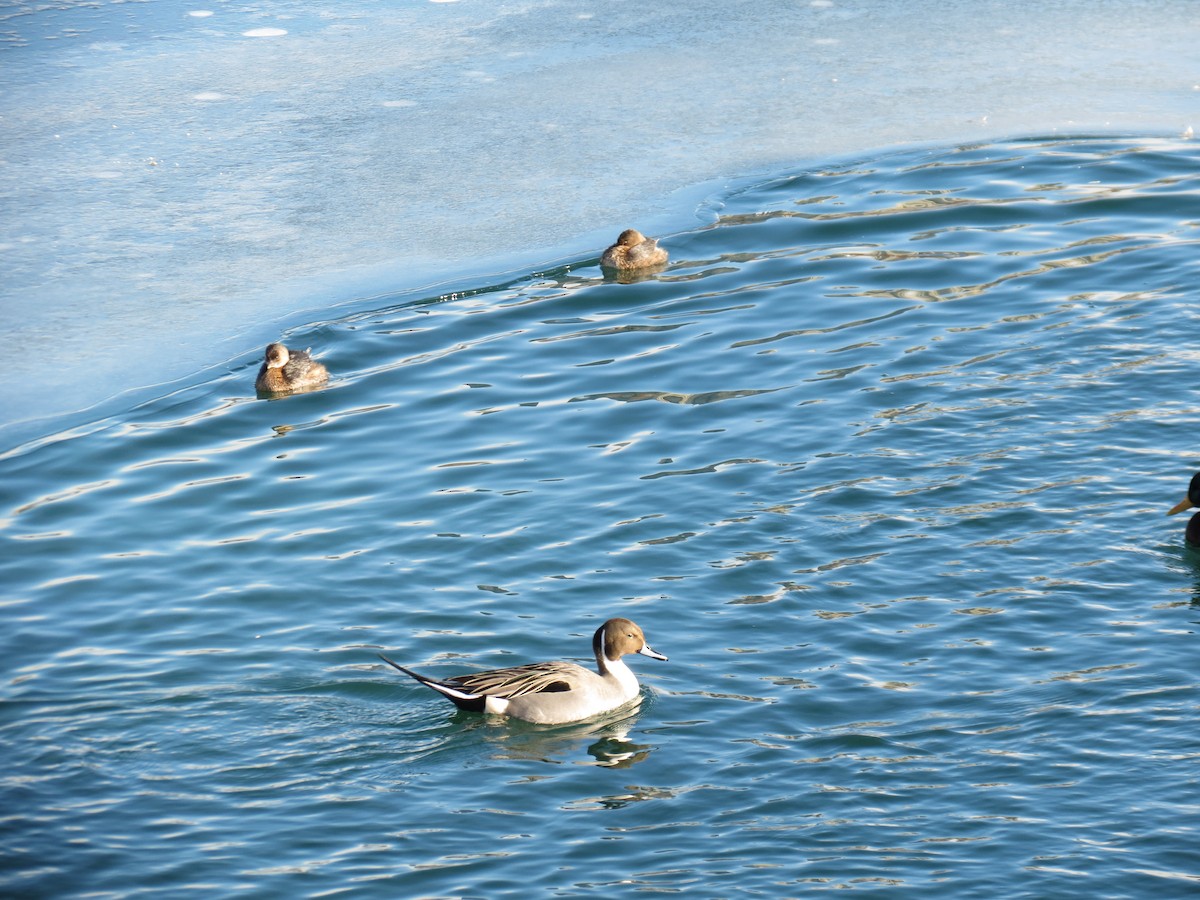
880	461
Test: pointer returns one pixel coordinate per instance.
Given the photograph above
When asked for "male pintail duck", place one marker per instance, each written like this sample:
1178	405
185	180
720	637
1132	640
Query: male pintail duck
1192	534
552	693
284	371
633	251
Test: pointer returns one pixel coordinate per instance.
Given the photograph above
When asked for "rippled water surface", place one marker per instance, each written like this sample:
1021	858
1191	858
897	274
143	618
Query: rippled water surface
880	461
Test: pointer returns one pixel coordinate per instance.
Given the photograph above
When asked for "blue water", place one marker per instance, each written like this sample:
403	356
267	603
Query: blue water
180	181
880	461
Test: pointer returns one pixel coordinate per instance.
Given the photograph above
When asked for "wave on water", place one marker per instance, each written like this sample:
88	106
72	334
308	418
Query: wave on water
879	461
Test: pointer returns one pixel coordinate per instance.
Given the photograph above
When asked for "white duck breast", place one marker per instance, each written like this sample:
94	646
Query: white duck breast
552	693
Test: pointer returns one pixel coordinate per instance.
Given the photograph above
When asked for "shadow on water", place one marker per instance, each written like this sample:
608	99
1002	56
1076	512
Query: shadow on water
606	741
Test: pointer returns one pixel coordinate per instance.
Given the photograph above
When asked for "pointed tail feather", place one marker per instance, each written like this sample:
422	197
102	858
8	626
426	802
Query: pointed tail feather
462	699
408	672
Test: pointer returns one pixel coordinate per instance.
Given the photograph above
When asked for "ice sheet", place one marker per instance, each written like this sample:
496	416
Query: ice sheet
182	181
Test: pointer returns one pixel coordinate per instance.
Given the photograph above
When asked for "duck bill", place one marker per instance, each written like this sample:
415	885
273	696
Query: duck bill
1179	507
649	651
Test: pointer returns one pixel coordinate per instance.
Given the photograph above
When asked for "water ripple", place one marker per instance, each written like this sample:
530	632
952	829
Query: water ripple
880	462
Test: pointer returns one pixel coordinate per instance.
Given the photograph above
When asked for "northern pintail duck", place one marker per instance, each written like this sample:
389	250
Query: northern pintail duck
1192	534
552	693
285	371
633	251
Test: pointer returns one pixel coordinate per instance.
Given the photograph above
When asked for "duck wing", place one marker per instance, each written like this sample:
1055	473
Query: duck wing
535	678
